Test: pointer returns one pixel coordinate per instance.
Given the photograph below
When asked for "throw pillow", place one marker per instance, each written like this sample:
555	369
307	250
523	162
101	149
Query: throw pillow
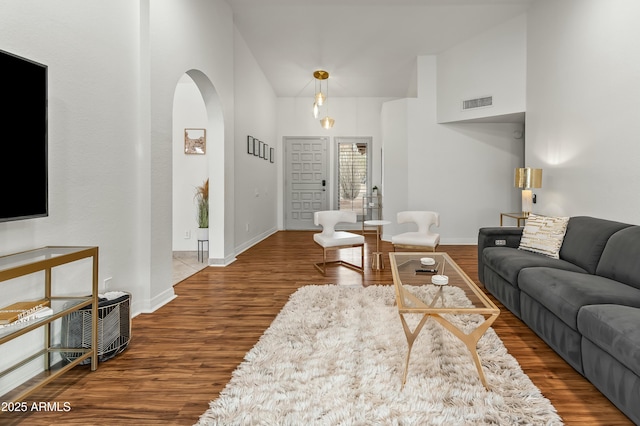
544	235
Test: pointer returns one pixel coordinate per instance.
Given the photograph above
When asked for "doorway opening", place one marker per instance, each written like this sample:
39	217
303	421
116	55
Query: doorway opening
196	111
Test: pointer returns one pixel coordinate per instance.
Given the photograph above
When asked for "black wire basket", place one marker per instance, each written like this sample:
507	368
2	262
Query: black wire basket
114	329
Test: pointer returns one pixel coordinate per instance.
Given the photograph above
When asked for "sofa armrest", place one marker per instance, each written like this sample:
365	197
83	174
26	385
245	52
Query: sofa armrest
496	237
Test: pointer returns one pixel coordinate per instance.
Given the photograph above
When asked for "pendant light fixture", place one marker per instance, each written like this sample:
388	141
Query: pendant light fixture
320	98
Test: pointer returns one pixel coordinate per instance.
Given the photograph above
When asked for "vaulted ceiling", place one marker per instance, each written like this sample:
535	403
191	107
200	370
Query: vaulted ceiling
369	47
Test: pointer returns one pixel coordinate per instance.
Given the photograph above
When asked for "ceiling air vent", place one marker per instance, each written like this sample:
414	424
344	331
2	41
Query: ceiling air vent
485	101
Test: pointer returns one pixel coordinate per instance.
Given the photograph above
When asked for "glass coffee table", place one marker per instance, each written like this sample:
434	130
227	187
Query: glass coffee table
422	289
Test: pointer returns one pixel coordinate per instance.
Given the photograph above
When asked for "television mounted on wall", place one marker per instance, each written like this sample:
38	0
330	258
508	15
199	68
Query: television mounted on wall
23	139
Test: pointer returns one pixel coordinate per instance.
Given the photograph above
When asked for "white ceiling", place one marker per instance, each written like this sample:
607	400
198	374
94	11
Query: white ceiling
369	47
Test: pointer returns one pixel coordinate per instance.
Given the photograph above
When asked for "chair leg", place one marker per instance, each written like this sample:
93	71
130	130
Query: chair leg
323	269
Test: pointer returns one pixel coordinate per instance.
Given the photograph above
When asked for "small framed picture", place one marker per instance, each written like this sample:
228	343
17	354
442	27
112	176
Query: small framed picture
256	147
195	141
249	144
265	154
272	155
261	150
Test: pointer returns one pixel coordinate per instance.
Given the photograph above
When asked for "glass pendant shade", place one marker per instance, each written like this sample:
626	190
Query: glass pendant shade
327	122
320	99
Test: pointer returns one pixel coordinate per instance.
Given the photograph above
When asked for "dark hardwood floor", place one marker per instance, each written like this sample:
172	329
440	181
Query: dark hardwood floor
182	355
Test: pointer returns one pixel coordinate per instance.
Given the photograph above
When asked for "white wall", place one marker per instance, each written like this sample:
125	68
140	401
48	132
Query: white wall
113	71
463	171
185	36
92	51
256	187
583	104
395	181
490	64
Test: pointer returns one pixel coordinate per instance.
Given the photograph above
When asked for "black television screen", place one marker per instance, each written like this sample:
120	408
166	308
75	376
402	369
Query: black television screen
23	139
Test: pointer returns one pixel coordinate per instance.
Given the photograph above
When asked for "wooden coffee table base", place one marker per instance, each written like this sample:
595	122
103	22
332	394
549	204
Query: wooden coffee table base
470	340
408	272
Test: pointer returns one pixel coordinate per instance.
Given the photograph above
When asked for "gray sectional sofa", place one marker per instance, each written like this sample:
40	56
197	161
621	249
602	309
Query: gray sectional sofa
585	305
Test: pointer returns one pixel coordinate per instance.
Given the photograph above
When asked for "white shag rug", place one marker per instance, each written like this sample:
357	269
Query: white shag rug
335	355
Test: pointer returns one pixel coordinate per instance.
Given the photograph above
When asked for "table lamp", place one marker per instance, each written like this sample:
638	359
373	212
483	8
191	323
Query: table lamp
527	178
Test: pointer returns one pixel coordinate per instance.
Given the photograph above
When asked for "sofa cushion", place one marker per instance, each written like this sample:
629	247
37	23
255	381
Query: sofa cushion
507	262
564	292
585	240
615	329
620	259
544	235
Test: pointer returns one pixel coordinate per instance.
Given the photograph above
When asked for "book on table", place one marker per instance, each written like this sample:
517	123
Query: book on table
24	310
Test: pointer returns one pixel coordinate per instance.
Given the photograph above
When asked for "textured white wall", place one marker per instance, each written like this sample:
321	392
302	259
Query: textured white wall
91	49
184	36
463	171
492	63
256	190
113	70
583	104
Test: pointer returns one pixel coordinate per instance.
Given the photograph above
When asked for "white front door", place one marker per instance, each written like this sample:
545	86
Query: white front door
306	180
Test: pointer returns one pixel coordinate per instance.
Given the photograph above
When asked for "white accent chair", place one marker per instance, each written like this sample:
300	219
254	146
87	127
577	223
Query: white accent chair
421	238
330	239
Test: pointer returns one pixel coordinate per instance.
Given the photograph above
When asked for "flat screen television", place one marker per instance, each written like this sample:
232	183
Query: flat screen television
23	139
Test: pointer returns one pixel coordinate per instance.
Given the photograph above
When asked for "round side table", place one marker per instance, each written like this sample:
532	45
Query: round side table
376	259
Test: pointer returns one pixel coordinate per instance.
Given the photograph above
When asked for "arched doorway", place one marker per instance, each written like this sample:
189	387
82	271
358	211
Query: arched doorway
197	111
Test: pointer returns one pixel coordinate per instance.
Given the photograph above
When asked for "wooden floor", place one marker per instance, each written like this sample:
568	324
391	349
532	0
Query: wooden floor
182	355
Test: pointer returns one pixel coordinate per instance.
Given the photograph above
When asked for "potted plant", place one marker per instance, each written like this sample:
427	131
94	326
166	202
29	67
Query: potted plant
202	200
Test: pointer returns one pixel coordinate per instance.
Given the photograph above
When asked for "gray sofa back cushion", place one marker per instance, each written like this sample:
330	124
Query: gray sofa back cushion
586	238
620	259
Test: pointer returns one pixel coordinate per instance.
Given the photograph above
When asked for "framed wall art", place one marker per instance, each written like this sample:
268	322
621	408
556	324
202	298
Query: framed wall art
195	141
272	155
249	144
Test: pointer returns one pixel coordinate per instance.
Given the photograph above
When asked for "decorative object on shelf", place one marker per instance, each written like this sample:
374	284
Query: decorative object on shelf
440	279
427	261
322	99
21	310
202	199
527	178
195	141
